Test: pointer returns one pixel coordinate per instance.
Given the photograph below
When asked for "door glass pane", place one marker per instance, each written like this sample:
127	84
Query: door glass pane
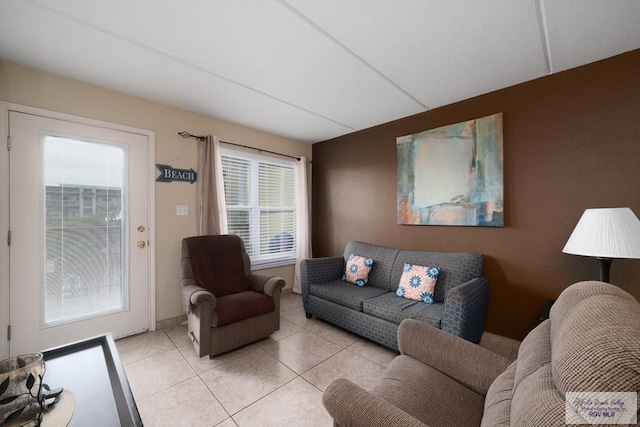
84	229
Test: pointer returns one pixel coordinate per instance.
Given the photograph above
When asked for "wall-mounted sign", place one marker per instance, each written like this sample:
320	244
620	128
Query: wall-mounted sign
169	174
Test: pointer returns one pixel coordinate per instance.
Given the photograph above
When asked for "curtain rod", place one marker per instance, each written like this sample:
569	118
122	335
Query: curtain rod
185	134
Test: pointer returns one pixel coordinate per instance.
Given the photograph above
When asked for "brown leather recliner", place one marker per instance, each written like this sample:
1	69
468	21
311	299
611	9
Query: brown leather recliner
227	306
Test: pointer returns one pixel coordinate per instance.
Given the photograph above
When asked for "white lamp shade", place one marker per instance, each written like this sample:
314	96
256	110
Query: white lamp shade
606	233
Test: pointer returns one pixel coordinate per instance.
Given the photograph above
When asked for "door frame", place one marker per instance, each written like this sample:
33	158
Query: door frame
5	107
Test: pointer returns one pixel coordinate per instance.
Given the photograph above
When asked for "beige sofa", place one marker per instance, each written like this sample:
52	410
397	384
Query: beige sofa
590	343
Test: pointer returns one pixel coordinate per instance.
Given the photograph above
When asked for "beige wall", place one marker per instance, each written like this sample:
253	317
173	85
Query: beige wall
27	86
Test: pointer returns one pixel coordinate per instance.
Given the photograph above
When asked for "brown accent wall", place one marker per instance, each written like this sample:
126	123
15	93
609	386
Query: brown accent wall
571	142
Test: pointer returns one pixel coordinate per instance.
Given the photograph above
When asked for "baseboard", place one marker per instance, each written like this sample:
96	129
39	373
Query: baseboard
162	324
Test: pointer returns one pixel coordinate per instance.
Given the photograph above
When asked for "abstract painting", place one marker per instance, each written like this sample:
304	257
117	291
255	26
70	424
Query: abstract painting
452	175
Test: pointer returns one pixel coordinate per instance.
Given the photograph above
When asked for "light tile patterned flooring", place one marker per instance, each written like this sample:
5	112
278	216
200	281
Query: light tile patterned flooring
275	382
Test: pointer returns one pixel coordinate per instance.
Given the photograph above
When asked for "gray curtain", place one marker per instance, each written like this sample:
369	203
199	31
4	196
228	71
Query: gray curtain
211	212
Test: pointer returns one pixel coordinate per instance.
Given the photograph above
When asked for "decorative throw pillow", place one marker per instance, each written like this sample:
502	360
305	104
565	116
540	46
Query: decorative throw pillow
417	282
357	271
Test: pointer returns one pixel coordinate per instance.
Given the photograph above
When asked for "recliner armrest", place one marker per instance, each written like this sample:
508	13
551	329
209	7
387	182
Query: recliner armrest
195	295
199	306
468	363
352	406
265	284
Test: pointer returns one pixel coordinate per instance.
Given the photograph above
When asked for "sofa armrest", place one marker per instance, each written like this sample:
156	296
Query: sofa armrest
468	363
318	270
465	309
352	406
266	284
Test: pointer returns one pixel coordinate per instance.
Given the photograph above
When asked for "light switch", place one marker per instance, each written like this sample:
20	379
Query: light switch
182	210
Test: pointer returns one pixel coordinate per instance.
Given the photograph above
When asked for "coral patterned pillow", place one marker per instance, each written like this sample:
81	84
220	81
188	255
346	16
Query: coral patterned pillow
417	282
357	271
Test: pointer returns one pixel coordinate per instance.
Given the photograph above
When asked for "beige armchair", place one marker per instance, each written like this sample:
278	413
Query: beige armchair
227	306
590	343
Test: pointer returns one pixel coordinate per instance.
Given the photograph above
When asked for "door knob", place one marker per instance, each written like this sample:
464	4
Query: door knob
141	244
141	228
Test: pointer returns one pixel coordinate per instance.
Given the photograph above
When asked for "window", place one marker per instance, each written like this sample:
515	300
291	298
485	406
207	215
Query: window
259	192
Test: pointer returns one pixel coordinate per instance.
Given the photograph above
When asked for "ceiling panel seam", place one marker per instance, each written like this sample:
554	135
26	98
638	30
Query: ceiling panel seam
212	73
344	47
544	34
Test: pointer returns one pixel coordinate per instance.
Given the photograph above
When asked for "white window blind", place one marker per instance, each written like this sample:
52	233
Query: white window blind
260	197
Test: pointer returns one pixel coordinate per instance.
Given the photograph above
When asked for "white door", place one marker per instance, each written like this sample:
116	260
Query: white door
78	218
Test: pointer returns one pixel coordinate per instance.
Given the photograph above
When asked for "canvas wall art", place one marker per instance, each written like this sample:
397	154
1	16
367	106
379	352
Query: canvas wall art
452	175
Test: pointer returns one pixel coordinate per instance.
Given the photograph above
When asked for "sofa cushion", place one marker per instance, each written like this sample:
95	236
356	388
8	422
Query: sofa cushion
418	282
411	386
388	306
393	308
384	258
497	405
455	268
428	313
524	394
345	294
534	352
536	401
587	339
357	270
243	305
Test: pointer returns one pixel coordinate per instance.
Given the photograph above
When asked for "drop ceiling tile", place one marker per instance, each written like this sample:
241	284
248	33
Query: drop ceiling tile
441	52
309	69
262	45
39	39
584	31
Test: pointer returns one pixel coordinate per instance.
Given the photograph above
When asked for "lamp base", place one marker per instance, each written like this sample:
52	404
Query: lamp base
605	266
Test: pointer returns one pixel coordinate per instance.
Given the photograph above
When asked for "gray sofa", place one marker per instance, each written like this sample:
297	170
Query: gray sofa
375	311
590	343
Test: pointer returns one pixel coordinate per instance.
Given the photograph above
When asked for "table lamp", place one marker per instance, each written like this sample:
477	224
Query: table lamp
606	234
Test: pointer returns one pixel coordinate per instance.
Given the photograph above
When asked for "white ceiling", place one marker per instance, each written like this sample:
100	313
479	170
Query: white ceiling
313	69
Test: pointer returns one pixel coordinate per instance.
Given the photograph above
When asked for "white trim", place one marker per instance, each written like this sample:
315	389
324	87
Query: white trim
76	119
151	227
5	107
266	263
4	228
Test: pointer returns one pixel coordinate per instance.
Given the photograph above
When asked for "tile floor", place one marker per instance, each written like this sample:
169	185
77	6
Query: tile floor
275	382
